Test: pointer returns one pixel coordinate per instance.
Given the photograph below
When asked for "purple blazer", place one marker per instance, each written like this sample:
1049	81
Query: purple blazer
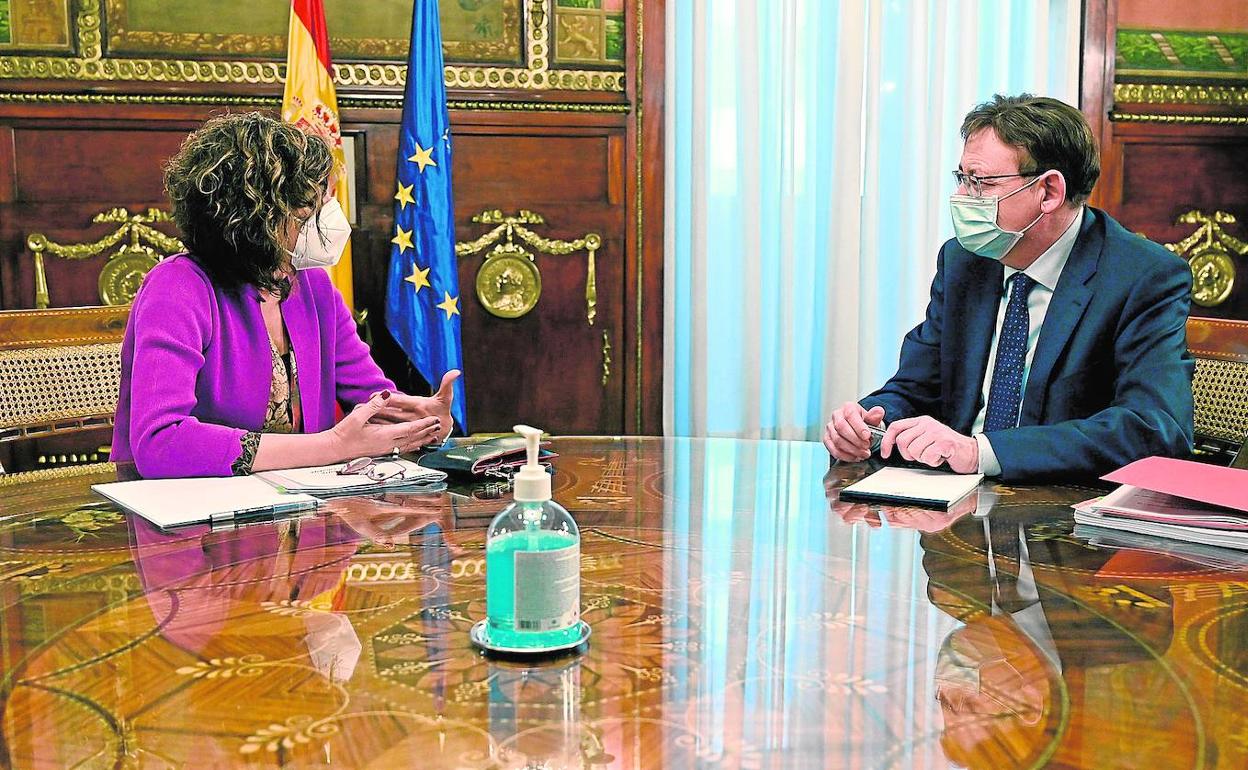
196	368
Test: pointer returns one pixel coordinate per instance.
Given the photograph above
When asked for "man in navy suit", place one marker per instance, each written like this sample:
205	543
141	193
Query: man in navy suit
1054	343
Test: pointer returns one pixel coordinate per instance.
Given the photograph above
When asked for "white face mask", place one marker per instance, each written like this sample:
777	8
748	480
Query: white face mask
975	224
322	238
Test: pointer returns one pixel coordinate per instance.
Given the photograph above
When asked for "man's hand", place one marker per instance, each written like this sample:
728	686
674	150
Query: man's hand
846	436
404	408
930	442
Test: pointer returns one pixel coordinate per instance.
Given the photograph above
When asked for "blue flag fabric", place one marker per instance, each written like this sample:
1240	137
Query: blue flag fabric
422	298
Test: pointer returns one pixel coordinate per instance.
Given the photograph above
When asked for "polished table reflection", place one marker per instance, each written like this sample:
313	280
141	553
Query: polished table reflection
742	617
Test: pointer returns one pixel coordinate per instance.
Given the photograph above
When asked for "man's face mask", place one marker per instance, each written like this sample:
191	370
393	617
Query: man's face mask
322	238
975	224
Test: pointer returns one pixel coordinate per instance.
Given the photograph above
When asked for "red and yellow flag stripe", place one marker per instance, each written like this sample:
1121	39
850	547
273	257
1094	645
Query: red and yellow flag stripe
309	102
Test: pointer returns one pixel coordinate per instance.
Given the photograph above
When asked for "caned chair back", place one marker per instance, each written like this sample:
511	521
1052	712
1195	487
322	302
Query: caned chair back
1220	387
60	370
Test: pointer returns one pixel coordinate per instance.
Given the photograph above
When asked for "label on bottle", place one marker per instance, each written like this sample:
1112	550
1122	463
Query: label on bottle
548	588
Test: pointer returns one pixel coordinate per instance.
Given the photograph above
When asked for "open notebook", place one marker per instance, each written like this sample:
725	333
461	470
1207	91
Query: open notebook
169	503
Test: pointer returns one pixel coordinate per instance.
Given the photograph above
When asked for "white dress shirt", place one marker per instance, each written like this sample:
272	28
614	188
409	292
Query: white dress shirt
1044	271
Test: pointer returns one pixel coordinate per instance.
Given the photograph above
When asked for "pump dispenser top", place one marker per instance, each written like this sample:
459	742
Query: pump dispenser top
532	483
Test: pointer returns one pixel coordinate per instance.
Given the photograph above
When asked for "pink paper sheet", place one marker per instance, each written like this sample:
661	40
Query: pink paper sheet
1211	484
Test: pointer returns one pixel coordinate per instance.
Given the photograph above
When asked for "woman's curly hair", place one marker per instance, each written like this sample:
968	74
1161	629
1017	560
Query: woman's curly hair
235	184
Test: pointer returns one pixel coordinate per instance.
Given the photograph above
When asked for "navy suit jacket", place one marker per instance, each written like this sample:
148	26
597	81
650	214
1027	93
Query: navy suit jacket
1110	380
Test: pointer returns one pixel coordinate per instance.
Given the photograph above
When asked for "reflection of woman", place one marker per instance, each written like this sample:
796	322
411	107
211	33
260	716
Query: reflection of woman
198	582
237	352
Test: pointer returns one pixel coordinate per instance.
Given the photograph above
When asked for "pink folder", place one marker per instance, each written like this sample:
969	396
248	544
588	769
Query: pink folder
1212	484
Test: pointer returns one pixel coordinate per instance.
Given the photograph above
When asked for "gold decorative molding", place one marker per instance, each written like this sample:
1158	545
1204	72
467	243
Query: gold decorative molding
1211	120
494	106
34	97
51	474
508	282
1208	251
273	102
124	271
92	65
1177	93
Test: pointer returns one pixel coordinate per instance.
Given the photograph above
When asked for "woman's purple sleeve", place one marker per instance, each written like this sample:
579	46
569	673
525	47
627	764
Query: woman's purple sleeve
172	324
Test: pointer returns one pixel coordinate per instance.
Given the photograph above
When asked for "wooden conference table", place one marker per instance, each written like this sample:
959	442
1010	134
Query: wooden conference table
742	617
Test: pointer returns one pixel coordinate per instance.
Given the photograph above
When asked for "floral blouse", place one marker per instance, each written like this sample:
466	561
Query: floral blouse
283	415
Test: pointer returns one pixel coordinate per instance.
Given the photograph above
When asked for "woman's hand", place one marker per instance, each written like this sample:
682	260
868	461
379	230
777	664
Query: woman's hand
360	434
402	408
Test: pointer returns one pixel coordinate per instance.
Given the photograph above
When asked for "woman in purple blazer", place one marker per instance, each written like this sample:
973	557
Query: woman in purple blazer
237	352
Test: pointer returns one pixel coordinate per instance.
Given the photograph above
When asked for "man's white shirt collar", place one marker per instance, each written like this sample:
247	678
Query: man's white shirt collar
1048	266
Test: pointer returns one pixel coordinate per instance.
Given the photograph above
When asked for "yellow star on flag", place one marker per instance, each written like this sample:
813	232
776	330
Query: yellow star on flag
423	157
419	278
404	195
450	305
403	240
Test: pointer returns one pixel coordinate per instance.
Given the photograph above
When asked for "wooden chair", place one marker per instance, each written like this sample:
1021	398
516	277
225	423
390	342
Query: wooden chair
1220	387
125	268
59	376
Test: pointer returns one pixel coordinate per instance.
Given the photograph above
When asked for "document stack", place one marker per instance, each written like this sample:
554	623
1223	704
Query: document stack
1178	500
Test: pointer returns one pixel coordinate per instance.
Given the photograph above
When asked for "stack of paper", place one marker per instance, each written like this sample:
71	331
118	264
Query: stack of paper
1176	499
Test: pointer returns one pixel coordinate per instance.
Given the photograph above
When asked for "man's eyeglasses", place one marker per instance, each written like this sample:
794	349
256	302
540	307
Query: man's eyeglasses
975	184
374	469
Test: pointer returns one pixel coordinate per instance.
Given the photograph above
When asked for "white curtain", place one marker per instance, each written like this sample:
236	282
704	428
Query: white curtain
809	148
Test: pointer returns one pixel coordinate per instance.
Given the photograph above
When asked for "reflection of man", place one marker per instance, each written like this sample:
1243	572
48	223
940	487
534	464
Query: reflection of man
1031	672
1054	341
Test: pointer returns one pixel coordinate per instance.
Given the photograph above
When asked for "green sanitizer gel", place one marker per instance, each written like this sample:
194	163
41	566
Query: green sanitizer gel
532	568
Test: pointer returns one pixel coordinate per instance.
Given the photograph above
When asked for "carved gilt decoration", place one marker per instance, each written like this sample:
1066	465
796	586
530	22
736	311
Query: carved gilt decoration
1181	93
124	271
509	282
92	63
1209	251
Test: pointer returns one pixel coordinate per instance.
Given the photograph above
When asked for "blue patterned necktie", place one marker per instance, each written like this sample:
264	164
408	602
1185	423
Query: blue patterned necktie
1005	396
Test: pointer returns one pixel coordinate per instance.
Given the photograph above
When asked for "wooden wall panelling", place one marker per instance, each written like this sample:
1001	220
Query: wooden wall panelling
1096	78
645	84
8	224
1171	141
1163	171
63	172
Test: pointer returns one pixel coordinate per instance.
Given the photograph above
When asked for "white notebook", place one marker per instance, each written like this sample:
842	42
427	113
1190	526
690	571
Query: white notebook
180	502
912	486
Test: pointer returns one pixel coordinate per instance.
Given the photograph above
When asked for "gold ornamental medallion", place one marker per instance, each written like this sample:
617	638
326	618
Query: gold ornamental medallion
122	275
508	285
1213	276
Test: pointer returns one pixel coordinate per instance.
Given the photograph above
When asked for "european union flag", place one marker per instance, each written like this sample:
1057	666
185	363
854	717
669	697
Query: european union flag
422	301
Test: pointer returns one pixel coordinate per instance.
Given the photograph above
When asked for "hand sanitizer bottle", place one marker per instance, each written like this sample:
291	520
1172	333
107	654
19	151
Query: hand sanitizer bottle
532	568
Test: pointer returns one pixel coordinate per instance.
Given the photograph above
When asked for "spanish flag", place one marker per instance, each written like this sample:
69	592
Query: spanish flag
309	103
